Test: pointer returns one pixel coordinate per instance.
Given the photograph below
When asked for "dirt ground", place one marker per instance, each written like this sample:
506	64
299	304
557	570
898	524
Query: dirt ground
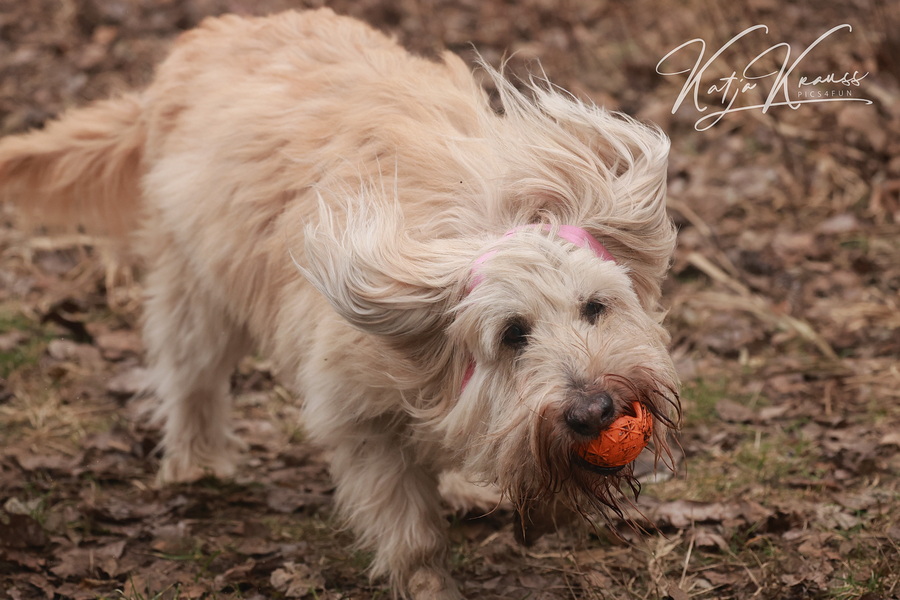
784	307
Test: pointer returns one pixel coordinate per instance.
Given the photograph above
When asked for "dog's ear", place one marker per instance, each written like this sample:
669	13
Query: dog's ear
580	164
632	220
617	187
378	277
626	209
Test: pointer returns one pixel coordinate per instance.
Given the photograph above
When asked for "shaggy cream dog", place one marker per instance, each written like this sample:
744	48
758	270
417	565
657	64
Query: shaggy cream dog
446	287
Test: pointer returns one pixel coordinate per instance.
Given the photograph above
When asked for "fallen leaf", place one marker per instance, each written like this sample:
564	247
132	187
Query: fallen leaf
84	562
46	462
296	580
833	517
684	513
28	560
676	593
16	506
809	573
597	580
704	538
867	123
236	573
842	223
67	350
891	438
793	246
117	440
771	413
129	382
859	501
11	339
20	531
286	501
116	345
733	412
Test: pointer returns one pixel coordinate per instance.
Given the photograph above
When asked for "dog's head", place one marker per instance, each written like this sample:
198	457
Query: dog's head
559	346
528	321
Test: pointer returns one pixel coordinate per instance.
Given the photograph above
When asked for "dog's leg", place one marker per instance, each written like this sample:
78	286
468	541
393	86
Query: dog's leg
192	348
392	502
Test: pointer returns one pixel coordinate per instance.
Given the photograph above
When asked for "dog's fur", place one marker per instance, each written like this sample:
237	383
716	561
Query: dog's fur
310	140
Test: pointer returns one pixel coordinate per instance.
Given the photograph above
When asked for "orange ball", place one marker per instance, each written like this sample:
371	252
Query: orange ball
621	442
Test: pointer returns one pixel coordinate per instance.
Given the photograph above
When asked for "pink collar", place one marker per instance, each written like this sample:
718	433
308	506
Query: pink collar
570	233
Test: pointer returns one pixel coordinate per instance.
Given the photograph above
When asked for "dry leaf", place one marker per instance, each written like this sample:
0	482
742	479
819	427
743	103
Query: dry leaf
296	580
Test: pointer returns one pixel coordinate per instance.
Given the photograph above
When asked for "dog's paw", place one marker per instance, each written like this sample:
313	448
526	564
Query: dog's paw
432	584
178	469
180	465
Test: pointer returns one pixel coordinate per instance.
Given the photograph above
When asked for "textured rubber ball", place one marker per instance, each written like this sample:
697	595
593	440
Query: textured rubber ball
621	442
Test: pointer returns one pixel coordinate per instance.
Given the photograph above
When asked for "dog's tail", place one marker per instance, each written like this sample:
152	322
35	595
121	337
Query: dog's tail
83	169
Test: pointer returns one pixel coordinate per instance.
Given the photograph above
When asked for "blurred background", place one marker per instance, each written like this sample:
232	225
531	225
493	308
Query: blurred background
784	306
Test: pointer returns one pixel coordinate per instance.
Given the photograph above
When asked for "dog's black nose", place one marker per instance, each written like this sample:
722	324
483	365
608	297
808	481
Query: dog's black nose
590	414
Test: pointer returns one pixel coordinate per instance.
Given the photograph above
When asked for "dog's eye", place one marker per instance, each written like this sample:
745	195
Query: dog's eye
592	310
515	335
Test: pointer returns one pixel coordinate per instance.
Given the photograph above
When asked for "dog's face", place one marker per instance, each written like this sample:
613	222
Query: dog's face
560	346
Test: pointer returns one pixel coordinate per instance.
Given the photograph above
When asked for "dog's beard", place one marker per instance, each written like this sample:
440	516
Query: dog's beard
529	452
563	477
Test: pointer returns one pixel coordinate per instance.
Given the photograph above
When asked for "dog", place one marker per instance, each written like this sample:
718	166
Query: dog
449	286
